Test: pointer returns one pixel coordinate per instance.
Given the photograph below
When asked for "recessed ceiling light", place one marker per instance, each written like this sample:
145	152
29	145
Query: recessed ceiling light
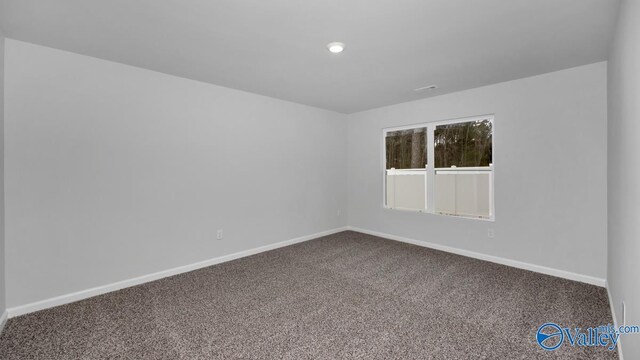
335	47
430	87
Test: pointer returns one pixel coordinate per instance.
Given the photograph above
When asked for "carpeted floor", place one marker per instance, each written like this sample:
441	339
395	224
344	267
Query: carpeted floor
344	296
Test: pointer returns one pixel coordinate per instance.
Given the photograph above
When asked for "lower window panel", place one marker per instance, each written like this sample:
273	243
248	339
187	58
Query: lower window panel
463	193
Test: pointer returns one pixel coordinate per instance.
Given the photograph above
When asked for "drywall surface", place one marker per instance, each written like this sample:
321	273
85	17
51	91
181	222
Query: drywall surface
2	247
624	172
114	172
550	179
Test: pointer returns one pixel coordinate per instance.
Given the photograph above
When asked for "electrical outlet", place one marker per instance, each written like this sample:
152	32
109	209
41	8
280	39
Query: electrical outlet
624	314
491	233
219	234
339	212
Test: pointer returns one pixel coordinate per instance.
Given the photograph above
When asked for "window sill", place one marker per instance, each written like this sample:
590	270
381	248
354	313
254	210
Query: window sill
492	219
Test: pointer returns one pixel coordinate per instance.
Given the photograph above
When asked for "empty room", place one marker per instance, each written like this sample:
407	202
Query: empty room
337	179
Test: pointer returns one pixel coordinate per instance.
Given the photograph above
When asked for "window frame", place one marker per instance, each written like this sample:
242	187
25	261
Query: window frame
431	170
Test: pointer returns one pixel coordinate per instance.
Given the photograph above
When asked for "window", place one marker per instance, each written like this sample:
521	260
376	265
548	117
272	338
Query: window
406	159
442	167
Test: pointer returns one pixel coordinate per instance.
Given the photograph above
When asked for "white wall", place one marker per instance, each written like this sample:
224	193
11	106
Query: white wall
113	172
624	171
2	248
550	178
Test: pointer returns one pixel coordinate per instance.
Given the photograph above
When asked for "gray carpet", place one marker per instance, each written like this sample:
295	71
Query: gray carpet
344	296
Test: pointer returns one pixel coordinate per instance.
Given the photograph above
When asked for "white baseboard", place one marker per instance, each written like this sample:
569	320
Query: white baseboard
3	320
494	259
615	320
84	294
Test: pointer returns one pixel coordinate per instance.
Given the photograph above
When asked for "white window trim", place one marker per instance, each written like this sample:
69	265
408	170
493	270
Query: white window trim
431	171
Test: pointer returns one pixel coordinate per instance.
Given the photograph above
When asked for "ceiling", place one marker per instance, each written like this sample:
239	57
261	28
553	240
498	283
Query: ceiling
278	47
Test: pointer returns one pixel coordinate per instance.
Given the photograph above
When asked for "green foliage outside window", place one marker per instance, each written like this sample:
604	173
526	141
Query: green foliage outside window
407	149
465	144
